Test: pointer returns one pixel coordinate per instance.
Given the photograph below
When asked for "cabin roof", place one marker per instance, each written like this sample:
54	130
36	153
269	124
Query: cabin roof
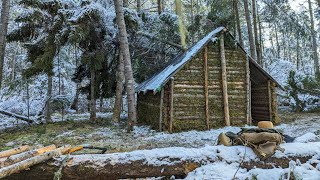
157	81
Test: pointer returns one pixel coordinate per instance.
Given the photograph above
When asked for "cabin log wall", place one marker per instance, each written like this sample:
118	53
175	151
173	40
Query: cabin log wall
148	108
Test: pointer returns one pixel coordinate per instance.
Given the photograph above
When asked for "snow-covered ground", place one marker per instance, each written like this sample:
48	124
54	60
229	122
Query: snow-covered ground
305	128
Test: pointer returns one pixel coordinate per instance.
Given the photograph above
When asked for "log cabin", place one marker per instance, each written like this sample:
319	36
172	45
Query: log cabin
213	84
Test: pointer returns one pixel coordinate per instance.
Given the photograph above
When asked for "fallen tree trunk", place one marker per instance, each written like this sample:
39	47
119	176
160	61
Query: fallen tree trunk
163	162
6	171
25	155
14	151
23	118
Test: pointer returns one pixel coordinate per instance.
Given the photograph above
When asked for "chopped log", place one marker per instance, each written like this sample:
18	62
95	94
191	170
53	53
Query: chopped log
164	162
23	118
25	155
14	151
6	171
224	82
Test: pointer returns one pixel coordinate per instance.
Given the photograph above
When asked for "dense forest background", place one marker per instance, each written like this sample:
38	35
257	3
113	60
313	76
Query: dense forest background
55	47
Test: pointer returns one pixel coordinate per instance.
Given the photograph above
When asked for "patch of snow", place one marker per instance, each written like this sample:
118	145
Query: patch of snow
306	137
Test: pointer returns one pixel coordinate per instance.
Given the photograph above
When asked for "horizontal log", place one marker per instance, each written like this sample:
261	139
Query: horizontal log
14	151
162	162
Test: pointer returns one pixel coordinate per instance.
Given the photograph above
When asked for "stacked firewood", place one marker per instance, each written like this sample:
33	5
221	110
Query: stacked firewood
23	157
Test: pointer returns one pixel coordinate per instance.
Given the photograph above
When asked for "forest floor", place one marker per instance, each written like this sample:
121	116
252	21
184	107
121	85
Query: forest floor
77	130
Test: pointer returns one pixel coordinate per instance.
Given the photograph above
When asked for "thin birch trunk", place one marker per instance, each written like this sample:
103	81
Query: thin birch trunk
129	81
3	33
250	33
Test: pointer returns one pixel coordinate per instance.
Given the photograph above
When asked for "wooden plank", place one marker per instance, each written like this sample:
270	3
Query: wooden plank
161	109
171	103
206	90
270	99
224	81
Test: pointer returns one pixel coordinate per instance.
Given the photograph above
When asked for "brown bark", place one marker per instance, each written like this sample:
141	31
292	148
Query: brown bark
49	95
7	171
160	9
236	8
250	33
129	81
314	42
206	89
105	167
3	33
255	30
93	108
119	89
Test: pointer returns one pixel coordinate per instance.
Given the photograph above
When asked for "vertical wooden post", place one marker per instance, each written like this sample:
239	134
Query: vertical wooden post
270	100
161	109
171	103
248	89
206	91
224	81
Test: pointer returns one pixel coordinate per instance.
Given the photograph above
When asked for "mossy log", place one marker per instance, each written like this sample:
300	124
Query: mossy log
163	162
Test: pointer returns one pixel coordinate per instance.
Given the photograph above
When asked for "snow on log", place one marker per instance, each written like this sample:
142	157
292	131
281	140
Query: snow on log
14	151
24	118
177	161
6	171
25	155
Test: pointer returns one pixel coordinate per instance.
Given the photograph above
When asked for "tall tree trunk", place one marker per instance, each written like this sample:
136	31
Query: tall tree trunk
160	4
250	33
255	30
277	40
129	81
138	5
49	95
3	34
298	53
261	45
13	66
93	109
119	89
314	43
181	26
74	104
236	8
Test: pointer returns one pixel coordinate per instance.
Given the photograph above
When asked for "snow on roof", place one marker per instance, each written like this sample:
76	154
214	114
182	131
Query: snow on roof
156	82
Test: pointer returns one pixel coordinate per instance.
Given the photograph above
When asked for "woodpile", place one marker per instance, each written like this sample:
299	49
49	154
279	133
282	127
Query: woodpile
21	158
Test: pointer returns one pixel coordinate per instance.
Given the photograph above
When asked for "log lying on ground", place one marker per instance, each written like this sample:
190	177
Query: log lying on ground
14	151
23	118
25	155
166	162
6	171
